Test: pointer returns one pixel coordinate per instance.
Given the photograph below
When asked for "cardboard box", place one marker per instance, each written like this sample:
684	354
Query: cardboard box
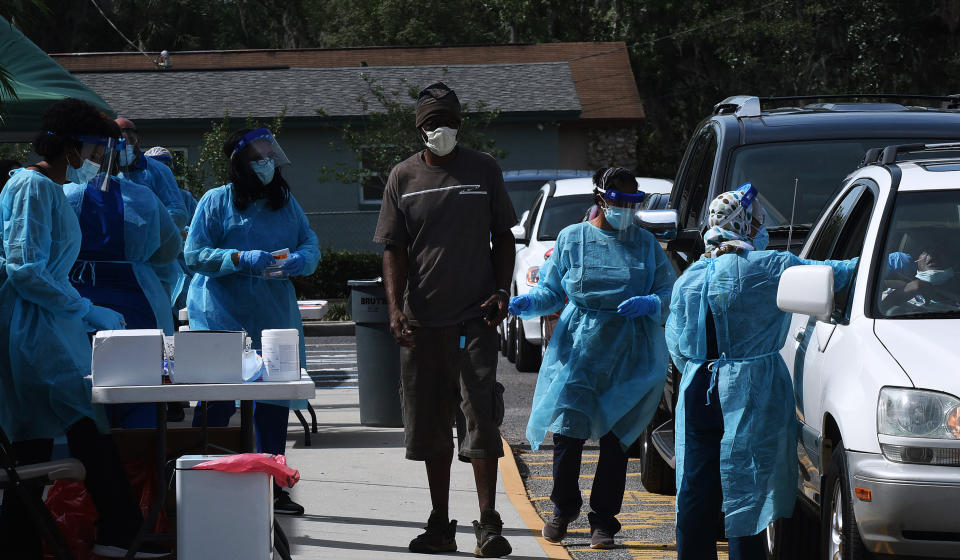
208	357
130	357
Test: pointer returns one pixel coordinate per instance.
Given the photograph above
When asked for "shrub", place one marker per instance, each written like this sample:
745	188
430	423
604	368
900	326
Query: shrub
335	268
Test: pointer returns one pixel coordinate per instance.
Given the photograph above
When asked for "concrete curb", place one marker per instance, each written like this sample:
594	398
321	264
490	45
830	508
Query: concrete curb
328	328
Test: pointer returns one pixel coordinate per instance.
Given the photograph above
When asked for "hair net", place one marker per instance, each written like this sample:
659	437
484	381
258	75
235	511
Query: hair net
729	225
437	99
160	153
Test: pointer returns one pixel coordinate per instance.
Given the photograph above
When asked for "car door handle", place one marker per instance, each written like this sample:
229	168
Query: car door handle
800	334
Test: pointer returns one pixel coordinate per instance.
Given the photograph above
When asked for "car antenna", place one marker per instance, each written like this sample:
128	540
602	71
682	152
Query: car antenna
793	208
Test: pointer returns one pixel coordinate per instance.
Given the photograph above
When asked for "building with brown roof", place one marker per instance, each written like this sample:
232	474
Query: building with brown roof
560	105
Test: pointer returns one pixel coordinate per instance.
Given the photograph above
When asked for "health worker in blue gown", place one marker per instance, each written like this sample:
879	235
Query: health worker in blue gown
126	235
736	428
605	367
44	341
233	232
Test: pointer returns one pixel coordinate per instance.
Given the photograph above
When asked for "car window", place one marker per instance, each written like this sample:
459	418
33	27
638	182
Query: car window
696	179
528	223
849	244
817	167
822	246
522	193
923	281
560	212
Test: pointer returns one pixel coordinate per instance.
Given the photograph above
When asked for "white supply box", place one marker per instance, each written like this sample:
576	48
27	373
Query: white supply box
208	357
130	357
223	515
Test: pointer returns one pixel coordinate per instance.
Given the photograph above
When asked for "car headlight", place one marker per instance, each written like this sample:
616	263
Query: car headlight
917	413
922	415
533	275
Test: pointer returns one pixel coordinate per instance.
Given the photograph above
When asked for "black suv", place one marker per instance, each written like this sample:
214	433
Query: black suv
796	151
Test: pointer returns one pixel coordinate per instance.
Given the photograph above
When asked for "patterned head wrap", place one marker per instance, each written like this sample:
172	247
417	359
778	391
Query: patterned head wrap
729	225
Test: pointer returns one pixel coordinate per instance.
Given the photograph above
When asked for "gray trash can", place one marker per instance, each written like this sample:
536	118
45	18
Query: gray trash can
378	355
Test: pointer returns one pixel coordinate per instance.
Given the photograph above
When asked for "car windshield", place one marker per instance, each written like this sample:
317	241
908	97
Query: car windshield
818	168
921	276
560	212
522	193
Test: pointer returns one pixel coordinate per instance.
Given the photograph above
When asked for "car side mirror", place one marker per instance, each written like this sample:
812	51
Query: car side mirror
808	290
661	223
519	233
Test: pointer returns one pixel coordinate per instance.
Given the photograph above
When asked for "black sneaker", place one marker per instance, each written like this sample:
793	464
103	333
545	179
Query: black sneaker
490	543
145	550
601	539
283	505
440	536
555	529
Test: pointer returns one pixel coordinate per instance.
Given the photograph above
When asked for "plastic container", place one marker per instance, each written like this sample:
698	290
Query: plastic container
274	270
281	354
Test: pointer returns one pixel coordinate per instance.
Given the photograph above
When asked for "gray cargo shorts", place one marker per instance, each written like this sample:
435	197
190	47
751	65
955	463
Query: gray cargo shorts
438	373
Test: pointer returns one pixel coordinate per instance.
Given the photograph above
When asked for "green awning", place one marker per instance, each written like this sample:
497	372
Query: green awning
38	81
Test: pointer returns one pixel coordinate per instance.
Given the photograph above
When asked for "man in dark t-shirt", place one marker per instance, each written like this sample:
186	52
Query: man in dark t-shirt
446	221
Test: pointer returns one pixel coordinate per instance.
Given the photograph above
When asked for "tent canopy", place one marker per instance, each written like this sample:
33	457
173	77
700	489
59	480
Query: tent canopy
38	82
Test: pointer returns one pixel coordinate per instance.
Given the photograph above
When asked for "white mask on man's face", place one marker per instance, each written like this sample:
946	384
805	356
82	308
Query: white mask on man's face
441	140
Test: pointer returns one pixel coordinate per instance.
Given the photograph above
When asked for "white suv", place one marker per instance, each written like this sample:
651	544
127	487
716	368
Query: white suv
877	395
555	207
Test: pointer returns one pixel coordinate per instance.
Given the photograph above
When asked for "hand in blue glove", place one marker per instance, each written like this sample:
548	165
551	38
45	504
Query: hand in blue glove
104	319
902	263
294	265
255	261
638	306
519	304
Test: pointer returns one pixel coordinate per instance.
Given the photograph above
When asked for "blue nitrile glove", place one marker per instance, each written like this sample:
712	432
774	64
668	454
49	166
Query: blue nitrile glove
294	265
519	304
104	319
638	306
255	261
902	263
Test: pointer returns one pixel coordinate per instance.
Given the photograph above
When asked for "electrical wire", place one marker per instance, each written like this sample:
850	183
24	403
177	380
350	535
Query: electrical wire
131	43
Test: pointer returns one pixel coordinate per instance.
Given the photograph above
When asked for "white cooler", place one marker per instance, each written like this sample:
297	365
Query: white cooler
223	515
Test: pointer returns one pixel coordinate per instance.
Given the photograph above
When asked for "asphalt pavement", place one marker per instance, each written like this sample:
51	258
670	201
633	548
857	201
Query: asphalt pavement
647	519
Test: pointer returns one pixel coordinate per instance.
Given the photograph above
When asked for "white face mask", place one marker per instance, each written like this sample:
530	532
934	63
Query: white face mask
935	277
441	140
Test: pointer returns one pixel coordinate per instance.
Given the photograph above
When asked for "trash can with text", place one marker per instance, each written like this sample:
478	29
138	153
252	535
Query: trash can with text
378	355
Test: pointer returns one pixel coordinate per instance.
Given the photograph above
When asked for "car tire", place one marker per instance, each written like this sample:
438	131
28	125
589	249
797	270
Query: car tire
502	334
655	474
839	534
527	357
793	538
511	342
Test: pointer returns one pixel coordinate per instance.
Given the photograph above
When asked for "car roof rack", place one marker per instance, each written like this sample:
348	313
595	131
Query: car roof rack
750	105
888	155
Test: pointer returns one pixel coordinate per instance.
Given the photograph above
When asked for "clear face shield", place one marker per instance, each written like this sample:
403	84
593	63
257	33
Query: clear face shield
261	145
620	209
91	152
109	164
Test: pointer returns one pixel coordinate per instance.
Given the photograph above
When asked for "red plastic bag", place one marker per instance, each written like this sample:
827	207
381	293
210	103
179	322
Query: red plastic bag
274	465
73	510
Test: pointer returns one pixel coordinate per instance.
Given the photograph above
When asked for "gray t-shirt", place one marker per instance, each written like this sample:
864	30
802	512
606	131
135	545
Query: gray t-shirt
444	216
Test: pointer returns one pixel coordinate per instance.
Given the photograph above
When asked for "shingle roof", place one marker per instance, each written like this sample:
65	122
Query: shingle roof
601	71
509	88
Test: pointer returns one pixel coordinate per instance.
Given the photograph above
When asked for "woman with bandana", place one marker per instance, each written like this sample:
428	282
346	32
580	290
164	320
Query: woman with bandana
604	369
735	419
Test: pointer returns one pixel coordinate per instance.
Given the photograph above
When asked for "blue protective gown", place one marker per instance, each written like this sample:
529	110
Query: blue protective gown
758	450
602	371
222	297
44	347
159	178
178	295
126	234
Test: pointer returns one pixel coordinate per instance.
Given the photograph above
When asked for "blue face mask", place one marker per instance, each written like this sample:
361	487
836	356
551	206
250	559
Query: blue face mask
86	172
618	218
935	277
128	156
264	168
761	239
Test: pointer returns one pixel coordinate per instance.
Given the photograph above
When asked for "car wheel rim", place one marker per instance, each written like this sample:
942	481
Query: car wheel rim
836	524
